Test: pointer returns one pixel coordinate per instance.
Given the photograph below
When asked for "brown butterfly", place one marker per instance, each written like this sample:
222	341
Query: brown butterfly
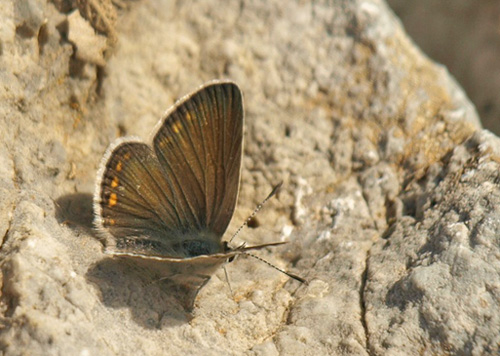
167	205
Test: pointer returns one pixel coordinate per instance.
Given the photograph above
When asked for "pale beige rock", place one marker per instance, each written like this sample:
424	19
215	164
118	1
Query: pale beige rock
89	45
389	199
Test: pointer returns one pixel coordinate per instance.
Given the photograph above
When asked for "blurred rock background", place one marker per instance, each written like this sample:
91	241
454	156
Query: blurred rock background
465	37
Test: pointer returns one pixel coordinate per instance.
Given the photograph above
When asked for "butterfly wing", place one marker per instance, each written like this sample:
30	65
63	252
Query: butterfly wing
133	209
199	146
163	201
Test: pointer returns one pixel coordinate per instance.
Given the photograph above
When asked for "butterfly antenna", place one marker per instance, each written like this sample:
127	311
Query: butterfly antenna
257	209
291	275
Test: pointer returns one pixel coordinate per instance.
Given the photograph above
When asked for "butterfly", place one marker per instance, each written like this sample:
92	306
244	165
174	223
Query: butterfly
166	205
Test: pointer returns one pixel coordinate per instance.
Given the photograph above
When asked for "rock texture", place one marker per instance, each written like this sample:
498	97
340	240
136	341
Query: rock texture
390	199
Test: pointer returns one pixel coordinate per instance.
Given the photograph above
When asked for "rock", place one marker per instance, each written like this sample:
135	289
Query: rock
389	198
89	46
466	43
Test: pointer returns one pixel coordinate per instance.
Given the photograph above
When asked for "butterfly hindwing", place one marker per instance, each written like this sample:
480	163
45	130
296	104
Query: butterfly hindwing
135	208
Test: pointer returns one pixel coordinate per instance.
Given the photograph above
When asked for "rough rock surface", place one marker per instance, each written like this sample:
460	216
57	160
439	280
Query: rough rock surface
390	199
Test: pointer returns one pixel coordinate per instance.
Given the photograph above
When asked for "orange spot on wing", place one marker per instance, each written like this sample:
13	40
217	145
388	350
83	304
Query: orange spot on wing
119	166
176	127
112	200
114	182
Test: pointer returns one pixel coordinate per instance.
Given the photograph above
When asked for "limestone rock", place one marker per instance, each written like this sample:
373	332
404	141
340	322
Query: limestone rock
389	199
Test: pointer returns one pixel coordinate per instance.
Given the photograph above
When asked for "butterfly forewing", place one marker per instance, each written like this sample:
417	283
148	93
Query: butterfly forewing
199	147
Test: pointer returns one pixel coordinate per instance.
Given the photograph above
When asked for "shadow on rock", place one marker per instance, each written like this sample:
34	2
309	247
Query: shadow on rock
402	293
75	210
155	302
